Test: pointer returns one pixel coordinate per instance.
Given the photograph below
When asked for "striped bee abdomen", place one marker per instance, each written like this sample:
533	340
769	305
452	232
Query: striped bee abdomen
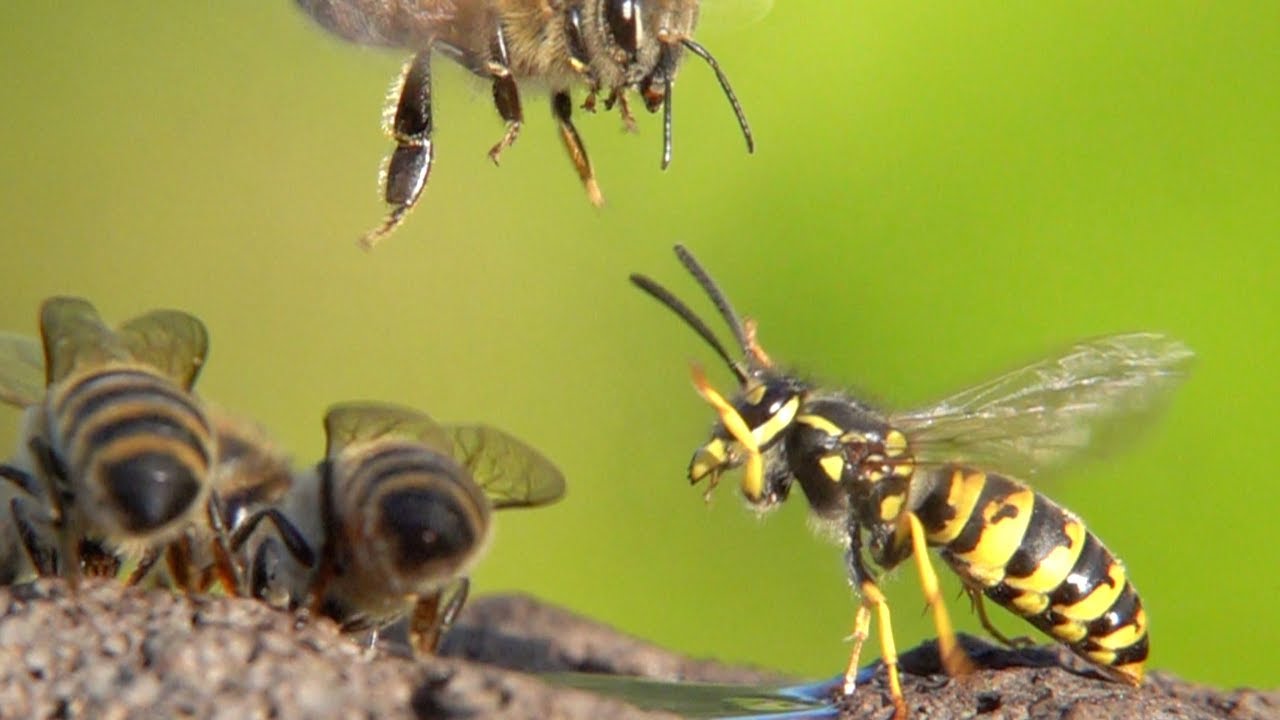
136	449
1036	558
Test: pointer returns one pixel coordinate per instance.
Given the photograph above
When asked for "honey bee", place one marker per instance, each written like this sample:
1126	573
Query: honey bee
611	46
117	451
397	514
251	473
934	477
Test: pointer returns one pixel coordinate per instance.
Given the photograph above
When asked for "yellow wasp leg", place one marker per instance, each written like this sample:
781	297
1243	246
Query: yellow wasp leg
872	597
976	597
753	476
954	660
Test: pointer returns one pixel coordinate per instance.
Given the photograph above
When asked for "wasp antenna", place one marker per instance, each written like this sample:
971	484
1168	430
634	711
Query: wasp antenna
709	286
664	296
702	52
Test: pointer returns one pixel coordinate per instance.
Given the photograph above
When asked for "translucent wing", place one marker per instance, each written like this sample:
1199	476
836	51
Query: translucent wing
510	472
1037	417
347	423
21	370
74	335
171	341
724	15
389	23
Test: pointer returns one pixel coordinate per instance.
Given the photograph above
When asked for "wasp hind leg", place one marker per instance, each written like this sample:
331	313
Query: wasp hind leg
954	660
977	599
409	165
562	109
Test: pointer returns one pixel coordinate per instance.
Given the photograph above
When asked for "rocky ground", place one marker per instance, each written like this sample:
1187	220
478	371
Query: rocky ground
125	653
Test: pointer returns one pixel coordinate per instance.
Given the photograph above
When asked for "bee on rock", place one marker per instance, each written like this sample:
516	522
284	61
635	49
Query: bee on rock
116	450
394	517
897	483
610	46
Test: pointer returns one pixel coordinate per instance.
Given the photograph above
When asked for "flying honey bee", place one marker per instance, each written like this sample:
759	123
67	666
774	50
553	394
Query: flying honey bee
117	451
934	477
610	46
397	513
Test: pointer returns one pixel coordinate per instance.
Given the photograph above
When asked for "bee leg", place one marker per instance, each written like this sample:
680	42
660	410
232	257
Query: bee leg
619	97
410	163
225	568
177	559
21	479
145	563
954	660
41	555
870	597
293	539
562	109
60	502
976	597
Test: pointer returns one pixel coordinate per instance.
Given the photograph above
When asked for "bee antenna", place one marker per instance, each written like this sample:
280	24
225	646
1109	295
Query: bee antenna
664	296
702	52
666	120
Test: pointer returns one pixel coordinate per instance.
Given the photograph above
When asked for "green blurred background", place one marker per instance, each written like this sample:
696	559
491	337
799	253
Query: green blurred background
941	191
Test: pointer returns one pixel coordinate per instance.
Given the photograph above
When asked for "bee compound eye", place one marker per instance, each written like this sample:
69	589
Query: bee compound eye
426	527
623	19
150	490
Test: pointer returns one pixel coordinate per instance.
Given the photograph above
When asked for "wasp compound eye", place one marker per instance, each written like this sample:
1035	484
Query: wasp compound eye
150	490
426	527
623	19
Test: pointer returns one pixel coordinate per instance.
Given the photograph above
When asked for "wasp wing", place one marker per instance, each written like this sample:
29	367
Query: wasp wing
1044	414
510	472
21	370
171	341
74	335
352	422
388	23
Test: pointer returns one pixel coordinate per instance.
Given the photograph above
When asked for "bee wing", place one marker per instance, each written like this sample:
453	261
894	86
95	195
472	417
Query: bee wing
75	335
21	370
1046	413
347	423
171	341
510	472
389	23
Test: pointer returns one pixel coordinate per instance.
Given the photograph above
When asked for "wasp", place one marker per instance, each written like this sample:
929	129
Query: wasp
610	46
396	515
894	484
118	451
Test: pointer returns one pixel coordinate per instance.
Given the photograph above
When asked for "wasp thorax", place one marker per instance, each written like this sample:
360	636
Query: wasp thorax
430	531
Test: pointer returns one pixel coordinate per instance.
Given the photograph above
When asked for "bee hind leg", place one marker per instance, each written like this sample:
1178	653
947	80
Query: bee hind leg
409	164
431	619
562	109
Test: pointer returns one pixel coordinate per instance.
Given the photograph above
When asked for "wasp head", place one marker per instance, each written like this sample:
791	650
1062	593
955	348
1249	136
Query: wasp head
749	426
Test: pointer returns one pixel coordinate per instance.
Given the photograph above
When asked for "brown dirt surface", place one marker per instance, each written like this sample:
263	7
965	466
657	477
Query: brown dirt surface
114	652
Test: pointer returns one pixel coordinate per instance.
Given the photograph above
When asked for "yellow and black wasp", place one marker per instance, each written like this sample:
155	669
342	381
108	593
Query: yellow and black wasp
897	483
117	452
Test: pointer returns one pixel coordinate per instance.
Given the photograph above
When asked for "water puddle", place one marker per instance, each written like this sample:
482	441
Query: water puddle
808	701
